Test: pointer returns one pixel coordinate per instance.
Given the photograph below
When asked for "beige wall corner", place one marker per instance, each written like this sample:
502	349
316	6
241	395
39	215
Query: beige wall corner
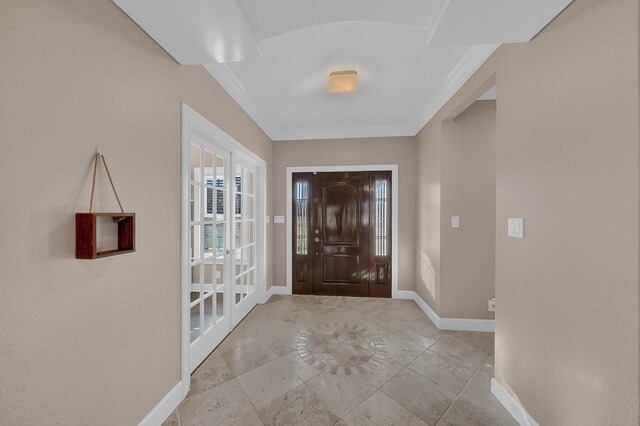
92	342
339	152
468	190
567	161
428	188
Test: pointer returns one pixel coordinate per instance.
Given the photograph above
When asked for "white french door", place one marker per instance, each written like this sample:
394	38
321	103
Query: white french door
244	269
221	239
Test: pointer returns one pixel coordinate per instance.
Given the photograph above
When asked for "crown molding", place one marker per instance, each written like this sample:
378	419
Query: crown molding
468	65
230	83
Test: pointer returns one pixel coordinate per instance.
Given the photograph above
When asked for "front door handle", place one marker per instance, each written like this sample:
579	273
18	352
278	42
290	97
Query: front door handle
316	239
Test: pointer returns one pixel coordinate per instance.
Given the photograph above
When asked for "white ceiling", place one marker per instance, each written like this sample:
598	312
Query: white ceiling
274	56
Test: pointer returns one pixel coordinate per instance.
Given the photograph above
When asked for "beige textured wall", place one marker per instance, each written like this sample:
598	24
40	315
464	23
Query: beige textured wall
568	162
336	152
469	191
92	342
428	194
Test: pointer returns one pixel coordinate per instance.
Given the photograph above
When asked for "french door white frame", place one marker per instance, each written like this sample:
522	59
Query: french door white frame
393	168
192	122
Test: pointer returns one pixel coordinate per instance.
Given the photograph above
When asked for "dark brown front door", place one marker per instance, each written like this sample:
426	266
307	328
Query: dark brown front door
341	233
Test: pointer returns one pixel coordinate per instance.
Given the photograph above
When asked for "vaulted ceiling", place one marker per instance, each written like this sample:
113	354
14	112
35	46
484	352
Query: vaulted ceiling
274	56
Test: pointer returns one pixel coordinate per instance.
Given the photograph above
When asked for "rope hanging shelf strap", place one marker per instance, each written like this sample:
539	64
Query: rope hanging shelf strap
93	183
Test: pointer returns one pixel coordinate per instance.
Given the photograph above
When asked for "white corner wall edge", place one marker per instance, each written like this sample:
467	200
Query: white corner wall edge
166	406
457	324
512	405
274	289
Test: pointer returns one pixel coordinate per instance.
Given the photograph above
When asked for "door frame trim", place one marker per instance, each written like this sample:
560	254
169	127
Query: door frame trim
191	120
393	168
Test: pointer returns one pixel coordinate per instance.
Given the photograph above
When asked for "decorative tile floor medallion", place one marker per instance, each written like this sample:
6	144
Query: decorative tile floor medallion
341	349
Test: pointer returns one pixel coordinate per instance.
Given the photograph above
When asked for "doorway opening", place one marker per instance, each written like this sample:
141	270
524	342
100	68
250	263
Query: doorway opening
342	228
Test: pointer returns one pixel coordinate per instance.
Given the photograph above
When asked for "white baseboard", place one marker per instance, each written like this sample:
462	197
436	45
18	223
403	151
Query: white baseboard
165	407
435	319
512	405
274	289
465	324
459	324
280	289
405	294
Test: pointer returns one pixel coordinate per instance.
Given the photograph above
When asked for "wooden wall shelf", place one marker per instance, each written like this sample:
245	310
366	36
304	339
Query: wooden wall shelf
87	238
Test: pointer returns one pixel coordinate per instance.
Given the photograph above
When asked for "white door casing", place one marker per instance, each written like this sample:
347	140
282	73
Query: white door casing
215	263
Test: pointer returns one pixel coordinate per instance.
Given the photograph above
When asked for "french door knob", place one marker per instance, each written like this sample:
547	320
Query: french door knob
317	231
316	239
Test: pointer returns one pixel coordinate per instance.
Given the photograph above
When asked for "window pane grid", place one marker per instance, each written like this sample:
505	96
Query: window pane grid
381	218
302	203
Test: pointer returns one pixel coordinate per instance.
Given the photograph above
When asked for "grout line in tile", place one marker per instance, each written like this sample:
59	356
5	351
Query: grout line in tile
457	396
354	408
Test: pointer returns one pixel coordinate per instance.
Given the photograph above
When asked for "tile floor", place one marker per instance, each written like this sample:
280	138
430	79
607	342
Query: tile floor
315	360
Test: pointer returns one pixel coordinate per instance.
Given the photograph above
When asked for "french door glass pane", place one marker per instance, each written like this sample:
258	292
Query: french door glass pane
238	267
249	202
195	276
208	311
251	281
220	166
238	289
220	229
250	182
195	322
251	232
209	293
208	240
196	237
245	283
195	196
195	162
219	203
251	257
208	160
239	233
219	280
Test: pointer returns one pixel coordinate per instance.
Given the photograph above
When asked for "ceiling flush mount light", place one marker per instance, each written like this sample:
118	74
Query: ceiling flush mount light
343	81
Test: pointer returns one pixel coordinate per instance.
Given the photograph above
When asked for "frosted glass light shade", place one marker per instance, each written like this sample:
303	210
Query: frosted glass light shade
343	81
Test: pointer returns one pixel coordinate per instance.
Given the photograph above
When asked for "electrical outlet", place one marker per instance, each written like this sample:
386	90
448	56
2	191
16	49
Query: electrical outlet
492	304
278	219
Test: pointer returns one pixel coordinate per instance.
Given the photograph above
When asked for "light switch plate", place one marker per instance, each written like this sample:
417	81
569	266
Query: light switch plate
515	227
455	221
492	304
278	219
